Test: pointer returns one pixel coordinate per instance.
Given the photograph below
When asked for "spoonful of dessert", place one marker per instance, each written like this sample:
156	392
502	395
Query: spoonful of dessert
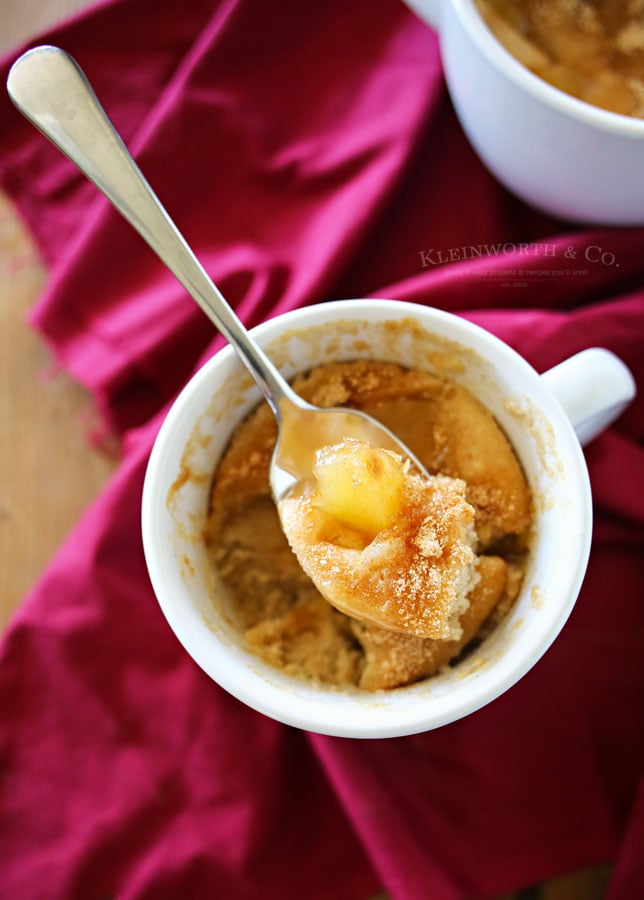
50	90
357	471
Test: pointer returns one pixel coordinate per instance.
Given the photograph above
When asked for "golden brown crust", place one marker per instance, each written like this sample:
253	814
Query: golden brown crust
453	433
394	659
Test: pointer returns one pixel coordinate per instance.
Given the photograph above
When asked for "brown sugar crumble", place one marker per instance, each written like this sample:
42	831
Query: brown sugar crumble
284	618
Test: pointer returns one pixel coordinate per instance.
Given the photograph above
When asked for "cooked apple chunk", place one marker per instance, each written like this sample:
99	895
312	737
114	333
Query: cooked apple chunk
359	486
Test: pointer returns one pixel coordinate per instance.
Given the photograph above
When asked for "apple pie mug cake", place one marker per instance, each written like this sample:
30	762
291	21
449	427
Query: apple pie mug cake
424	568
591	49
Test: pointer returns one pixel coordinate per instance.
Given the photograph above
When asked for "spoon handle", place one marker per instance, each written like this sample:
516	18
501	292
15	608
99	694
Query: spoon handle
51	91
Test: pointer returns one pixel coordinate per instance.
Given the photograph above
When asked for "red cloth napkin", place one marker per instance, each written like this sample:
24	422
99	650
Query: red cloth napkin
308	152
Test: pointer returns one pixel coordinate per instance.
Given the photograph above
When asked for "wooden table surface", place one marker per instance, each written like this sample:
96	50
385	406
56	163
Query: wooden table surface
48	470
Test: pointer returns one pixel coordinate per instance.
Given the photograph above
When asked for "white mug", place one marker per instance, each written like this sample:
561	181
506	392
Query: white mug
560	154
538	413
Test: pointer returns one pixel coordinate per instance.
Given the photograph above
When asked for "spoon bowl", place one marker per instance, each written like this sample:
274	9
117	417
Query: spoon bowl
51	91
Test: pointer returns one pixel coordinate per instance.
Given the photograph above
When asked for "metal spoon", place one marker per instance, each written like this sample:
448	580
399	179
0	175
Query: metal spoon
50	89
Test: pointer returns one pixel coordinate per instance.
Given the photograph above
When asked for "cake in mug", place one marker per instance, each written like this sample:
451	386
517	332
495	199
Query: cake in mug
590	49
474	535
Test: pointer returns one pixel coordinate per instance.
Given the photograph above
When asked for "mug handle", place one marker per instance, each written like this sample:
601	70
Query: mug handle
427	10
594	387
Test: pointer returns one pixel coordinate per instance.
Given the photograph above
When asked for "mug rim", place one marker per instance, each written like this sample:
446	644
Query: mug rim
285	705
587	113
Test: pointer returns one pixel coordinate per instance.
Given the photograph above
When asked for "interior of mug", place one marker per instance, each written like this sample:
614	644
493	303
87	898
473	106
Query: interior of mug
197	431
547	93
